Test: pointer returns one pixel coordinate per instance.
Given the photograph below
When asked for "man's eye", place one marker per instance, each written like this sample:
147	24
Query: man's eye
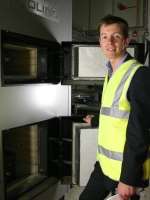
117	36
103	37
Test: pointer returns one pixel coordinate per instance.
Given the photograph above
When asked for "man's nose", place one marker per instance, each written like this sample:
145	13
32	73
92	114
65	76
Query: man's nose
111	39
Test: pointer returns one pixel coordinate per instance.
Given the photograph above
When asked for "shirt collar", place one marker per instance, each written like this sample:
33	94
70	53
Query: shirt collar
109	67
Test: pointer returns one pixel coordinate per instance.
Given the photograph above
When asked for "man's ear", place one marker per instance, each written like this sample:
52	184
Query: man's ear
127	41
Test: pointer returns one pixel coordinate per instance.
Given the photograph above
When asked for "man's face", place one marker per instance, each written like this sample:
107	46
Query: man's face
112	41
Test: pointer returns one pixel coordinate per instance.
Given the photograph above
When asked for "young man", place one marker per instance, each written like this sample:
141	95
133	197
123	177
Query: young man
123	163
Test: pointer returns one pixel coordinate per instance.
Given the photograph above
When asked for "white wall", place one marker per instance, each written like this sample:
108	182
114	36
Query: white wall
87	13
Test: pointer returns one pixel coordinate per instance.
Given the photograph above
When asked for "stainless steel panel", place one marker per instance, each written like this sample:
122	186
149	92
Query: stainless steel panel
27	104
26	17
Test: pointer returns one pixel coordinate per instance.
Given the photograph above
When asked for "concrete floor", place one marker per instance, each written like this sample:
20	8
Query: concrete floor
64	192
74	193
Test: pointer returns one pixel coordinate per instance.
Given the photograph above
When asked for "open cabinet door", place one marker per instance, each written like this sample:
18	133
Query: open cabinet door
60	142
84	152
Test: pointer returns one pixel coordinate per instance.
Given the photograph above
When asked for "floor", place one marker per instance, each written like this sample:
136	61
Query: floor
75	192
64	192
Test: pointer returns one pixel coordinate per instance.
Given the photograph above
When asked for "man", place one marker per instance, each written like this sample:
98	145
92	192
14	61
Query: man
123	164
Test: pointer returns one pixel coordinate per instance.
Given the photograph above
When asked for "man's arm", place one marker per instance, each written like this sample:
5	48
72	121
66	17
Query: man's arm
137	138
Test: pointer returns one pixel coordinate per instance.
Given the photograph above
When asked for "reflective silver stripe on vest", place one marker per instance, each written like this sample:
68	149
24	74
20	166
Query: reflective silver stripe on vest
114	109
115	112
110	154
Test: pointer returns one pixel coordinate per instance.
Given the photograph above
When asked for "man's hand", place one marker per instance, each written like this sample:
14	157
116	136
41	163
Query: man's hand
125	191
88	119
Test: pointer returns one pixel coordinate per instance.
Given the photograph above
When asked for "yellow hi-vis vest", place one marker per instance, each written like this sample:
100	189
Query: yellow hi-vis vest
114	115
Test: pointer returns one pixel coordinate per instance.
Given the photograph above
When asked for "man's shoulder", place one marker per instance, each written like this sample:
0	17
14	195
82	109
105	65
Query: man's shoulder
143	71
141	77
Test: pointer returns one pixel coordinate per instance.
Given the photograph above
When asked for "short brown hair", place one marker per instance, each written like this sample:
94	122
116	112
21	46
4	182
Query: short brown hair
111	19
